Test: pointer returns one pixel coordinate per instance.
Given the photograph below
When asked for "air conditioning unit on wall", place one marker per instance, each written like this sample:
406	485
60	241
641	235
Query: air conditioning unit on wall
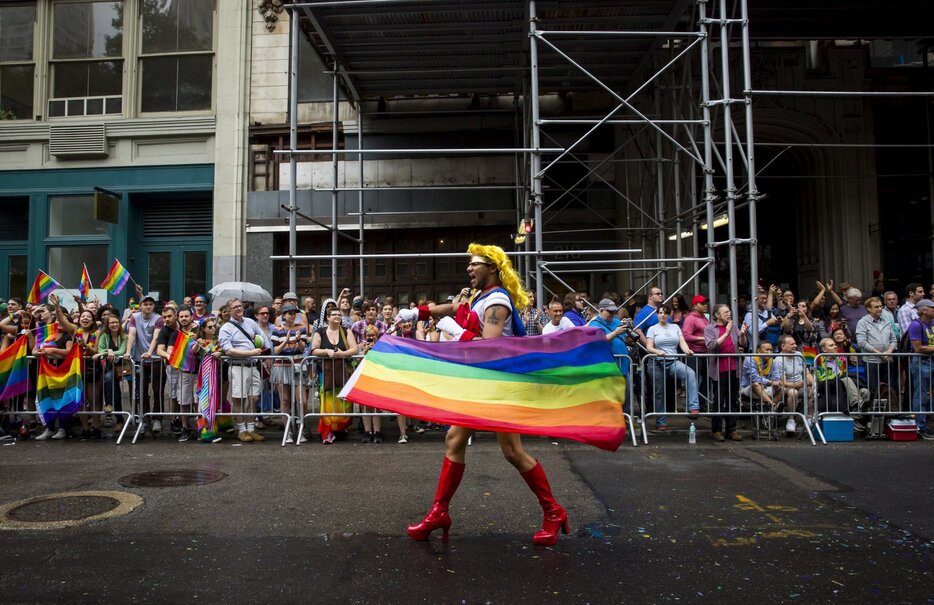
78	141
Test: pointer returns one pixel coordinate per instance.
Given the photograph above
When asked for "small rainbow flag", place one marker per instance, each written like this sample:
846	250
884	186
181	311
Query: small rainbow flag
810	354
13	369
47	335
209	397
84	287
182	356
60	389
41	288
116	278
565	384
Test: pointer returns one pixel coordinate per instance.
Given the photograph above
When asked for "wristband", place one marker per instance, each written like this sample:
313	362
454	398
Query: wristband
467	335
424	313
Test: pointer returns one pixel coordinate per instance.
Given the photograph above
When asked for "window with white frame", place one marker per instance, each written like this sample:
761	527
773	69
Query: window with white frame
17	26
87	58
177	55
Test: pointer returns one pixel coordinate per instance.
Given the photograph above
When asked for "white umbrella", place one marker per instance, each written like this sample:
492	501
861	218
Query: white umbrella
223	292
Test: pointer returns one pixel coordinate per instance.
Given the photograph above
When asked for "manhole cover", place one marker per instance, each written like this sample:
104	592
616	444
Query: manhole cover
57	511
66	508
172	478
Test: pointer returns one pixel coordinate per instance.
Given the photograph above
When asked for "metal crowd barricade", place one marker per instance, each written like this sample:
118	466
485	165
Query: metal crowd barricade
668	389
96	397
149	382
155	377
625	364
106	391
257	363
313	367
872	386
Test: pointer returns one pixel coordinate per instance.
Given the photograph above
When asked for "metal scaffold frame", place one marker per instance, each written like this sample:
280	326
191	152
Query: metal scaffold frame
685	152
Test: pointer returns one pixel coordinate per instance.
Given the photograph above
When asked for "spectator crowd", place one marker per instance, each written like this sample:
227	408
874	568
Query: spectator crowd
705	356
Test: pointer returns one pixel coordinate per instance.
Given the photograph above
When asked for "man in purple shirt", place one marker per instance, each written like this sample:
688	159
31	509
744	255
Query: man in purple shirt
921	339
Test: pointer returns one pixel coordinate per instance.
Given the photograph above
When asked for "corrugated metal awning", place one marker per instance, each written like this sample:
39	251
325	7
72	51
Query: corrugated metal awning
411	48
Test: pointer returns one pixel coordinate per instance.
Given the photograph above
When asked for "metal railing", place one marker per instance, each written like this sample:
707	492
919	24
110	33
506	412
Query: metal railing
677	390
323	390
159	384
103	398
870	387
866	386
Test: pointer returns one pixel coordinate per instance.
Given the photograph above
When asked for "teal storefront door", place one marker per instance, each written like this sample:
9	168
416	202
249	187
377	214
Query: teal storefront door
15	282
177	270
174	250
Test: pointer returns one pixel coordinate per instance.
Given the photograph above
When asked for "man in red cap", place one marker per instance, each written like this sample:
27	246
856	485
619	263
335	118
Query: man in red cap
693	331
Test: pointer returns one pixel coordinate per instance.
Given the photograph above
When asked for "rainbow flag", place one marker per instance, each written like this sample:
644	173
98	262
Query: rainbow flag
41	288
182	356
810	354
47	335
84	287
60	389
14	378
116	278
209	397
565	384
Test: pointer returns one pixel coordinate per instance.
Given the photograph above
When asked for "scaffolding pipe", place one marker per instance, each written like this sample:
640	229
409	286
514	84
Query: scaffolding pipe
708	151
728	157
360	194
753	194
439	151
660	191
463	254
623	261
839	93
676	171
621	121
334	174
637	33
536	157
293	143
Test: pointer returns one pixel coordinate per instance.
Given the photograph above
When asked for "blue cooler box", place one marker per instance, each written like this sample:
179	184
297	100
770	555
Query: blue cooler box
837	428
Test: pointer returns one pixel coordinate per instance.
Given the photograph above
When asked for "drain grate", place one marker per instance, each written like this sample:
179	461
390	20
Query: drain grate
65	508
172	478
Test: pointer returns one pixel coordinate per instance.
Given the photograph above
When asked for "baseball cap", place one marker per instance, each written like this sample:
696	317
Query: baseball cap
699	299
924	303
289	295
607	304
147	298
288	309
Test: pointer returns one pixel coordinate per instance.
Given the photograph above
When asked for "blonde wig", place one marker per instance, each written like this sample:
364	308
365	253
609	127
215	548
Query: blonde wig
507	275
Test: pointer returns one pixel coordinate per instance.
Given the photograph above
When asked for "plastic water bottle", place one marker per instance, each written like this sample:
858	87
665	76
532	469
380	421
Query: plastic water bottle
692	434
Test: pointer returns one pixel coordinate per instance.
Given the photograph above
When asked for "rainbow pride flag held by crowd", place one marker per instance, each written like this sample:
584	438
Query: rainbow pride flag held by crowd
47	335
116	278
209	397
810	354
41	288
565	384
60	389
182	356
84	286
14	378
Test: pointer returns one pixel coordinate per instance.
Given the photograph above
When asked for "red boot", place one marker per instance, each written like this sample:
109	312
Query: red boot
451	474
555	516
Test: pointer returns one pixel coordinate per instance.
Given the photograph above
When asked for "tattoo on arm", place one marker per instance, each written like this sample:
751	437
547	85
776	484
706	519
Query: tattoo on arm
492	317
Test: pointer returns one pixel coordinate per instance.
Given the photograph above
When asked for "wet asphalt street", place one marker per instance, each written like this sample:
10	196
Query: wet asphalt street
741	523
